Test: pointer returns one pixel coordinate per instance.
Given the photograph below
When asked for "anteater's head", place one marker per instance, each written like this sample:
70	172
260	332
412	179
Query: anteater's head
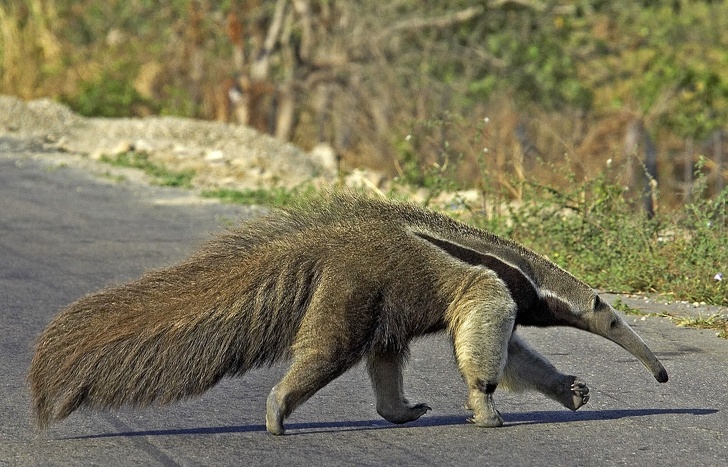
565	300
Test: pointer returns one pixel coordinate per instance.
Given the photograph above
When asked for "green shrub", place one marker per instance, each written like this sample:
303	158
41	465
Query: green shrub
160	174
107	96
594	232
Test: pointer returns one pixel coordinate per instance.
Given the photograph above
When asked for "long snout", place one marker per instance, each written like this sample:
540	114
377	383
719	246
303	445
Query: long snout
610	325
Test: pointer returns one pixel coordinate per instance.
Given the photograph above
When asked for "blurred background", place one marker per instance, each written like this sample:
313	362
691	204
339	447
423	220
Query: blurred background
488	93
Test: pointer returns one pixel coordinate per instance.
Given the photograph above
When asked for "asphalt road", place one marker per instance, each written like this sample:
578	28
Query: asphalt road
65	232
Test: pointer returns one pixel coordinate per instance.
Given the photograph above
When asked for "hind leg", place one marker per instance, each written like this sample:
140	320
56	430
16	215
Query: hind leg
312	369
329	342
333	337
527	369
385	371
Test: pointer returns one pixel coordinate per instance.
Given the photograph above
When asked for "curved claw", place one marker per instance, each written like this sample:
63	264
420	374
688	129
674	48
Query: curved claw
424	407
580	394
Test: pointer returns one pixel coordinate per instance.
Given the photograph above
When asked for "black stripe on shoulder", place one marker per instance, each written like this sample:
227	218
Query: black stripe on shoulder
520	287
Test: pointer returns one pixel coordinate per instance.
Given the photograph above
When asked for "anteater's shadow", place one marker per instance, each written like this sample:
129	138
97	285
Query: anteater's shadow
511	420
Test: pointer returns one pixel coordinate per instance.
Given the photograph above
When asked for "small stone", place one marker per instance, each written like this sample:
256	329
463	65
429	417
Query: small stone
121	147
142	146
214	155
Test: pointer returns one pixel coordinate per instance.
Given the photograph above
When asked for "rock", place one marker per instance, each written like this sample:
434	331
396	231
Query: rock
325	156
122	147
214	155
363	178
255	159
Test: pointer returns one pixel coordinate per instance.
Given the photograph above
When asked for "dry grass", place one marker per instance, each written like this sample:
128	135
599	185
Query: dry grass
31	49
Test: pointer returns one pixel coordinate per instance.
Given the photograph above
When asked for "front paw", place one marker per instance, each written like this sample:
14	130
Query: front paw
488	420
484	412
578	394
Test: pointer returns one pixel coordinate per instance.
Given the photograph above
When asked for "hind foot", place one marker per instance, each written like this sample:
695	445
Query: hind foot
403	413
274	414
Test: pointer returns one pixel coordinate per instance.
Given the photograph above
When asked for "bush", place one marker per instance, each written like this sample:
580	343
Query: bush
107	96
595	233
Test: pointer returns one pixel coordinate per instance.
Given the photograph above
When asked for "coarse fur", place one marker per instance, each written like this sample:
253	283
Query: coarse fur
324	284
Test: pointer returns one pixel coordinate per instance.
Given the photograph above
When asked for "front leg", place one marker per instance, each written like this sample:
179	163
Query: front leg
385	371
482	324
527	369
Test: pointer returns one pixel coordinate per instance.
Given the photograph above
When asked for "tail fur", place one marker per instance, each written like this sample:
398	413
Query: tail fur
175	333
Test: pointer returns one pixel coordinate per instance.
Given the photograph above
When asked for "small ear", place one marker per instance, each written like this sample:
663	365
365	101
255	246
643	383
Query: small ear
597	303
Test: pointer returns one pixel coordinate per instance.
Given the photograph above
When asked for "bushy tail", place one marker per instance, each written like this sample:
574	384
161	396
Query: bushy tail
167	336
